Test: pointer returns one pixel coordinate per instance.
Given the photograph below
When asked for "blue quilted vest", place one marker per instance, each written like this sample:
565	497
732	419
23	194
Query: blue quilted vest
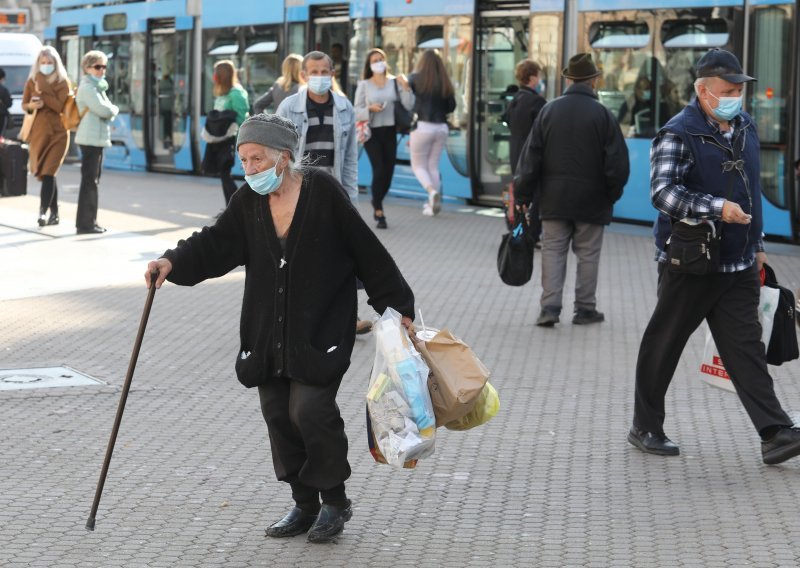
715	164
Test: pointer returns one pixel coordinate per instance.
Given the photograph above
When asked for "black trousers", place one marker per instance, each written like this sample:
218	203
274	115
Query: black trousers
228	185
729	302
382	152
307	438
91	167
48	196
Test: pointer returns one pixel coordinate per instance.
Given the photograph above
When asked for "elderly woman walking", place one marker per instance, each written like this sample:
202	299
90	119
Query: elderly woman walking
94	134
303	245
45	93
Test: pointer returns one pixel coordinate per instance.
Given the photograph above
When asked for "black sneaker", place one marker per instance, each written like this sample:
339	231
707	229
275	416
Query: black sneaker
582	317
782	446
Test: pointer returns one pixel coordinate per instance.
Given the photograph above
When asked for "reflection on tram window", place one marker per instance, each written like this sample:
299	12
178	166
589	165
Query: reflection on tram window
118	51
261	62
219	45
545	49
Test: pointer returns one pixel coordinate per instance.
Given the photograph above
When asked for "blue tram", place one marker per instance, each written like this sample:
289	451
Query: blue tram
161	53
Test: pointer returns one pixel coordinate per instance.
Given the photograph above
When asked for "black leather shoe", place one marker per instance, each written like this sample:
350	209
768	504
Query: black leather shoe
329	523
96	230
294	523
42	220
53	220
653	443
782	446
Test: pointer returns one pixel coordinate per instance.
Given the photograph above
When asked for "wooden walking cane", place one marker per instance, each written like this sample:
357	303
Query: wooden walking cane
123	397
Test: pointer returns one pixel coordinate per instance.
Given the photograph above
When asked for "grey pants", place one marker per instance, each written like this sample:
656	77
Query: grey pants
587	240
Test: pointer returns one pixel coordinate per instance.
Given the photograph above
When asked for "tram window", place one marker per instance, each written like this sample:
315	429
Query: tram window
394	39
118	51
631	76
685	41
219	44
261	63
457	61
427	37
545	49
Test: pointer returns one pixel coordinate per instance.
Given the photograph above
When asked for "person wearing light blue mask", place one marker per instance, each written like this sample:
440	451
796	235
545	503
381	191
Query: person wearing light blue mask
45	94
326	121
705	165
93	137
303	245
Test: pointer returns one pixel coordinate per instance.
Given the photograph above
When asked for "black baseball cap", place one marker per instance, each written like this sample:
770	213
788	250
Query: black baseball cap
722	64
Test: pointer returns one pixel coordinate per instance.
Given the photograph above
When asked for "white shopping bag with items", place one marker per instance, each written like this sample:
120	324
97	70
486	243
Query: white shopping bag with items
399	404
712	371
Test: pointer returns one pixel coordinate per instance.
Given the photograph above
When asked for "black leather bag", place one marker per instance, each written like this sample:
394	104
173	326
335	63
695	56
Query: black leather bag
515	255
402	116
783	341
693	248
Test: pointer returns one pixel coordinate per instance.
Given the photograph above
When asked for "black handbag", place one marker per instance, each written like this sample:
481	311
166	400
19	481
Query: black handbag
402	116
515	255
693	248
783	341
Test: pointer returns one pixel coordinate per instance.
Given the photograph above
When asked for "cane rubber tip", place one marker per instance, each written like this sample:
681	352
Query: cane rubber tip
90	524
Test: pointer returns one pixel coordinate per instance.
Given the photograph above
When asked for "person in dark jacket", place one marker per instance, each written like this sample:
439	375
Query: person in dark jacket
5	102
303	244
704	166
520	116
576	162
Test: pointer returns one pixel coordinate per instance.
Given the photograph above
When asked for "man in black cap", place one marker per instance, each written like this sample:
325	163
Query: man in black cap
704	166
303	244
576	162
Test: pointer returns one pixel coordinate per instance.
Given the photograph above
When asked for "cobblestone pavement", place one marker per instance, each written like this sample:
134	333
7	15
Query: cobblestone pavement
549	482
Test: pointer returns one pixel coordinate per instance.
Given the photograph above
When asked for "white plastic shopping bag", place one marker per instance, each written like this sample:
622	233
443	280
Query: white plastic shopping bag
712	370
398	400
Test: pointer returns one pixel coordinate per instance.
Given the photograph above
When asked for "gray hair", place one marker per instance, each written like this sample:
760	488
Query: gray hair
92	57
317	56
700	81
293	166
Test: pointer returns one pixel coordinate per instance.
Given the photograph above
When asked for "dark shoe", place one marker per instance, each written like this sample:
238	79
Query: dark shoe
537	245
582	317
363	326
652	443
547	318
97	229
53	220
294	523
329	523
381	222
782	446
42	220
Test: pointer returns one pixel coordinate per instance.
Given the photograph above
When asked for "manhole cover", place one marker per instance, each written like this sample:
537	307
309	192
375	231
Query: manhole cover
44	377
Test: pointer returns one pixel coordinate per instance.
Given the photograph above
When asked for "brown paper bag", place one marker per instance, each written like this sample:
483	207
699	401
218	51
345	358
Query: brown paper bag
457	375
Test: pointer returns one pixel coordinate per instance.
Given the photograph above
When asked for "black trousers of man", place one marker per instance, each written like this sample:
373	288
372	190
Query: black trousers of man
309	445
382	152
91	167
729	302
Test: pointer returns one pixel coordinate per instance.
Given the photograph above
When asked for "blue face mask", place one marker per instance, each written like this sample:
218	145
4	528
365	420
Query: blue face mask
96	79
265	182
728	108
319	84
541	88
646	96
47	68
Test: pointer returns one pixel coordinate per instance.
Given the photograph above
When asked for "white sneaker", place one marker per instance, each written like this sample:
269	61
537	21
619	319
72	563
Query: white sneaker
427	210
435	201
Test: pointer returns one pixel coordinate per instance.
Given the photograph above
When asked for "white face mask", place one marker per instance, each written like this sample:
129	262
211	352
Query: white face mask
379	67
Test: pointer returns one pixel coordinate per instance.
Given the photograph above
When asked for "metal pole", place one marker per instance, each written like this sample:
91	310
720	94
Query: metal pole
123	397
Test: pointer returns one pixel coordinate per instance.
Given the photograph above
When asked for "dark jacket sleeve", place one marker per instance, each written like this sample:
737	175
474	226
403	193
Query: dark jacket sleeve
263	101
616	163
374	266
529	167
212	252
5	100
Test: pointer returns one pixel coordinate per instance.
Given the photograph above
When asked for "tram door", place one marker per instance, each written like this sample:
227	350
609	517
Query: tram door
167	121
71	47
501	40
330	33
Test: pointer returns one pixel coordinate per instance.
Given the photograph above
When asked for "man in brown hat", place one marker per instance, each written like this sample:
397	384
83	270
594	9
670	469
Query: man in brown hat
576	162
704	167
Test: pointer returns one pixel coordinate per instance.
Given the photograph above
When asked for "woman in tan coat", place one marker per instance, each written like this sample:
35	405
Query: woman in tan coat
46	91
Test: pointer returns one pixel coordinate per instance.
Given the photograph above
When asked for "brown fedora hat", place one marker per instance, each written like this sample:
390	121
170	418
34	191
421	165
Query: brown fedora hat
581	67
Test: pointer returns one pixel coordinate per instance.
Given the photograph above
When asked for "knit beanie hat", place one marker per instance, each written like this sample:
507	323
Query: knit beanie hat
269	130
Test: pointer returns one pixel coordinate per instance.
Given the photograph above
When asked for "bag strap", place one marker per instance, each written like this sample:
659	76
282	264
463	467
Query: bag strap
728	166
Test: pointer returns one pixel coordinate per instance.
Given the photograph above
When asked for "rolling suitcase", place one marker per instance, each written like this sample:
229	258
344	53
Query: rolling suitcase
13	169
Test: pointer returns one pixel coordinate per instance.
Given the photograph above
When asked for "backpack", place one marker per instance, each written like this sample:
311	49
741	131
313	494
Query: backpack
70	115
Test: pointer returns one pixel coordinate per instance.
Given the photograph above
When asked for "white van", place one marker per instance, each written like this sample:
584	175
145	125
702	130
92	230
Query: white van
17	55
